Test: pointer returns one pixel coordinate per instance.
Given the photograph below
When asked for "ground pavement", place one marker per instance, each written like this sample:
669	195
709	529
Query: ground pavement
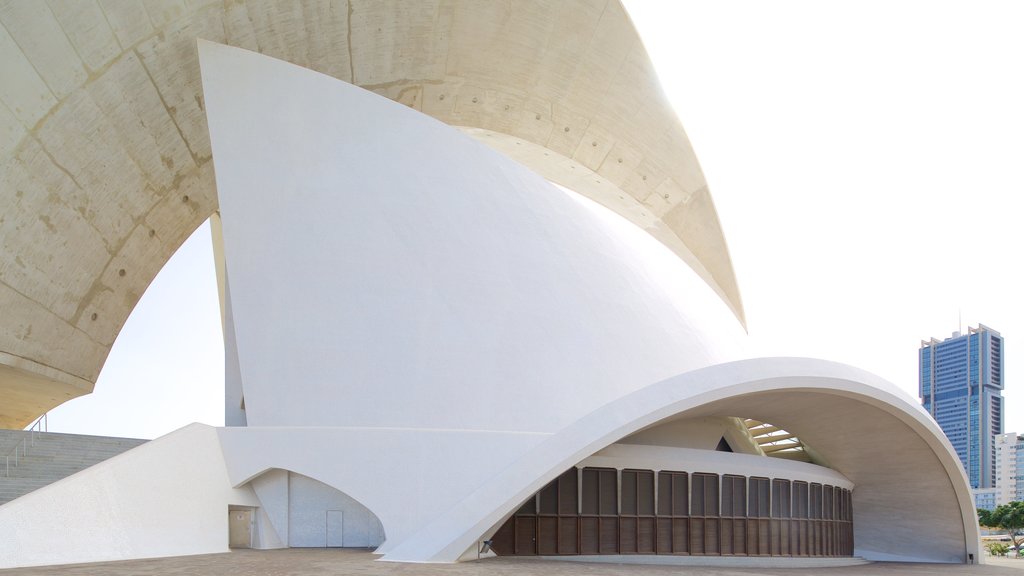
342	562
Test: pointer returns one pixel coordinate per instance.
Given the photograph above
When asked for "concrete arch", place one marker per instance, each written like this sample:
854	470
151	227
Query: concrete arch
105	155
911	500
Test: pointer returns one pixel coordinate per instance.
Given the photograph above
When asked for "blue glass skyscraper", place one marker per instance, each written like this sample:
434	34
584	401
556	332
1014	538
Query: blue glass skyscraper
961	385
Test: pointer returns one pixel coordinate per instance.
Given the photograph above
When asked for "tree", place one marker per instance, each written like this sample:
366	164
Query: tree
997	548
985	517
1009	517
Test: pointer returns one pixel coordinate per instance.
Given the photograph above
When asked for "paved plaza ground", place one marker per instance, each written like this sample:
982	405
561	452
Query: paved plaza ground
339	562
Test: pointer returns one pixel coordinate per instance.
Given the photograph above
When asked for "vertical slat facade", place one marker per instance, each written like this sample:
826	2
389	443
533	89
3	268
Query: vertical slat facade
607	511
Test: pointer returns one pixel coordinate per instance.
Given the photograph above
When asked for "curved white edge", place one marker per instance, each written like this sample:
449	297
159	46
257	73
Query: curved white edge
385	269
449	536
438	492
575	176
404	476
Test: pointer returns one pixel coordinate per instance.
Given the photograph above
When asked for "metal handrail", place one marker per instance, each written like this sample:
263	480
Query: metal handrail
41	424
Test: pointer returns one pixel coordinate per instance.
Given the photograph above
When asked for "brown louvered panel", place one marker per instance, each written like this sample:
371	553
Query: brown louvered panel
589	531
645	535
568	535
680	536
504	540
739	539
816	528
664	536
608	541
590	491
763	535
751	537
549	498
568	493
712	536
645	493
526	536
627	493
627	535
547	535
776	537
680	495
609	492
696	535
827	504
697	482
664	494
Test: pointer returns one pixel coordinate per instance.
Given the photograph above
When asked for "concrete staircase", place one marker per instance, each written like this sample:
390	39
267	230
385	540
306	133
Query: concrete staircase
52	456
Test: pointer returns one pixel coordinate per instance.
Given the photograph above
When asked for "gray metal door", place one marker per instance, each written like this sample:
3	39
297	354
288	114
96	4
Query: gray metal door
335	529
240	528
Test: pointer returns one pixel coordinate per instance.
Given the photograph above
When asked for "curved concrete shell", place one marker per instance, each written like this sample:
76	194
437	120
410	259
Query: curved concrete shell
469	303
428	333
105	155
911	501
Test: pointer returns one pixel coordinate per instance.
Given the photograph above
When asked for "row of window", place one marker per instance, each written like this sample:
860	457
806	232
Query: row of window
596	492
607	511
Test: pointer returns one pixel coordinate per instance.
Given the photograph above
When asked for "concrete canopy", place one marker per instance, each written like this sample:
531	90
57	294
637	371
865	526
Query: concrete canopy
105	156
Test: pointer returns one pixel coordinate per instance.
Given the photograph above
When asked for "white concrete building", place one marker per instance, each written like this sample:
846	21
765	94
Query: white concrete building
431	349
1009	468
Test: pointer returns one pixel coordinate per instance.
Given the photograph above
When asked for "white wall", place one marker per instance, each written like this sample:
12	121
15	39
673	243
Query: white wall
168	497
320	516
387	270
271	488
689	460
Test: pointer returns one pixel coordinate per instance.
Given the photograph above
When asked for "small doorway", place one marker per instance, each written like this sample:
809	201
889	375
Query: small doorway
239	528
335	529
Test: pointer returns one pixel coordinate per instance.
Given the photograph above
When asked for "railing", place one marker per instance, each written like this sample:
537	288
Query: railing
20	450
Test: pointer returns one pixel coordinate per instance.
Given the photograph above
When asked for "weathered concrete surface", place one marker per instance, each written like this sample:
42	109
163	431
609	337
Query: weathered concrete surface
105	156
319	561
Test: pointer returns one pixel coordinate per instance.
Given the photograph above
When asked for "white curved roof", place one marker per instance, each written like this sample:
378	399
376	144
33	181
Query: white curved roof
405	304
105	155
385	270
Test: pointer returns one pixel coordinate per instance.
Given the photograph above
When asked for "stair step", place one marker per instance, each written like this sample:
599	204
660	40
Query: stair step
51	457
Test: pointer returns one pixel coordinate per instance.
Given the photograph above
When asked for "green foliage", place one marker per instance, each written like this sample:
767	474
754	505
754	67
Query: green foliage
1009	517
997	548
984	517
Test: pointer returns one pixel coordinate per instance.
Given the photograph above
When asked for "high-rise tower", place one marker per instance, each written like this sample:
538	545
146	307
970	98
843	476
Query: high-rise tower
960	384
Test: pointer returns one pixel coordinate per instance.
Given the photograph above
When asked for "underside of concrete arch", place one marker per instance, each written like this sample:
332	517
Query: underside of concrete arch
105	159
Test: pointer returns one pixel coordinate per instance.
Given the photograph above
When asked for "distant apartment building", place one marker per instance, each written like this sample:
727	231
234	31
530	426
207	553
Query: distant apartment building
961	384
985	498
1009	468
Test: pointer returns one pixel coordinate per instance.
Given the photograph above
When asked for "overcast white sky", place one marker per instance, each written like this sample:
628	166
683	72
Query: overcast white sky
865	159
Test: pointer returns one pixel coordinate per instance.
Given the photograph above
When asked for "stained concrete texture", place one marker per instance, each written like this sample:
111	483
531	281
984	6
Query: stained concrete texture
330	562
